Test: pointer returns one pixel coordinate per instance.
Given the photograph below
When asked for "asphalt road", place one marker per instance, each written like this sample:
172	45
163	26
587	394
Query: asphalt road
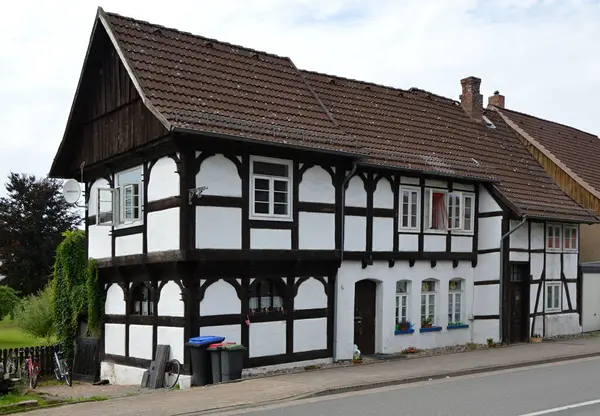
533	391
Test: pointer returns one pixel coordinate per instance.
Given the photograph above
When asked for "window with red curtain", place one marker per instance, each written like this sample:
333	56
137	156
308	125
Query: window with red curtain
439	213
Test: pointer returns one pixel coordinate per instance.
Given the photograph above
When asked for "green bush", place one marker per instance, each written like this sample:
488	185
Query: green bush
34	315
8	301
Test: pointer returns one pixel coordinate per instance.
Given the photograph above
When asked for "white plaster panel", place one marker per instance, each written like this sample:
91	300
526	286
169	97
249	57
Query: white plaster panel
573	294
220	176
487	203
552	266
115	302
536	265
356	195
408	242
270	239
562	324
316	231
140	341
316	186
488	267
570	265
114	339
311	295
164	179
232	333
383	197
99	242
128	245
310	334
484	329
267	338
520	238
121	375
518	256
218	228
173	337
463	187
462	244
163	230
490	231
170	303
220	298
486	300
533	289
538	238
590	317
436	183
383	234
432	242
409	180
355	233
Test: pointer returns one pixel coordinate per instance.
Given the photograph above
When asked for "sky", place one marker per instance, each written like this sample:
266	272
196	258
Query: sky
542	55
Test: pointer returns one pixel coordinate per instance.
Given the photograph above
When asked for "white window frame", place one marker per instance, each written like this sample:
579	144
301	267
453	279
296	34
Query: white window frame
410	190
271	179
551	288
118	201
450	226
121	187
452	301
403	296
570	229
554	228
427	303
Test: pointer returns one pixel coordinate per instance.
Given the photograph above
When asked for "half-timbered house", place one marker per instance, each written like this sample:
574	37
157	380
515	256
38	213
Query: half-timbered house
229	193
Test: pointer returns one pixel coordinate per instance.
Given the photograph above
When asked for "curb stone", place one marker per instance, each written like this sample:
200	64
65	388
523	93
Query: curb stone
400	381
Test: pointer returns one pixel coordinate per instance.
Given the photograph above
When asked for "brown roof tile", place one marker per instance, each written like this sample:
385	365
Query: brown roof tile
205	85
209	86
574	148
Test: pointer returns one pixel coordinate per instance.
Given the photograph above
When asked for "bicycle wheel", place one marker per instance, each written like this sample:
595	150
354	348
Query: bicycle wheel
66	373
172	371
24	373
33	377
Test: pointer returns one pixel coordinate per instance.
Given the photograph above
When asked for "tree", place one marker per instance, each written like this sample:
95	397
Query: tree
34	314
32	219
8	301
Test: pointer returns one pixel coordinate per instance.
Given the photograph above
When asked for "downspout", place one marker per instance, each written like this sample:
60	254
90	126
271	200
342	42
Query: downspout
343	222
501	279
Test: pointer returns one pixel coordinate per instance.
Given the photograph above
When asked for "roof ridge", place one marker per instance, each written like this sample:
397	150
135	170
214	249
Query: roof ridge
411	90
548	121
204	38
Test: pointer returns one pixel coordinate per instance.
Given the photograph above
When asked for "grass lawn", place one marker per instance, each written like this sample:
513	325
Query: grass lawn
12	337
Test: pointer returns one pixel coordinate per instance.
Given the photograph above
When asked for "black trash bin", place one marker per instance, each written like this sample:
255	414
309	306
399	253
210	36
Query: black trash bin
201	365
232	361
215	360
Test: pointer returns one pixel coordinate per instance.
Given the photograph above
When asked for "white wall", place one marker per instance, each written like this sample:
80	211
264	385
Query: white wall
115	301
140	341
164	180
220	298
311	295
310	334
173	337
114	339
385	339
267	338
170	303
163	230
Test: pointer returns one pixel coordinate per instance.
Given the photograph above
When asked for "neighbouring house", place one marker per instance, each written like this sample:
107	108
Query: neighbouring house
569	156
229	193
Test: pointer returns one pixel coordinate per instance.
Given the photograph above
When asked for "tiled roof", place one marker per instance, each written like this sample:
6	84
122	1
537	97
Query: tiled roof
402	127
575	149
205	85
209	86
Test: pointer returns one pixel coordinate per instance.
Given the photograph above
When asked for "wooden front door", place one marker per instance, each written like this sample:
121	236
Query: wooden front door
519	302
364	316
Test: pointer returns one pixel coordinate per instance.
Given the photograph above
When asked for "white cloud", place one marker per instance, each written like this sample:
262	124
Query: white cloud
541	54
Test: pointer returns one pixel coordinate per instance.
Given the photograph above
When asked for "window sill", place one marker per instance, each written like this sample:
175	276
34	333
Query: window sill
270	218
570	251
409	230
553	310
431	329
451	327
128	224
462	232
404	331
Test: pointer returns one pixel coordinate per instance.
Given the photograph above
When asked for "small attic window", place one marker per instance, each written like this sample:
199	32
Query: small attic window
488	123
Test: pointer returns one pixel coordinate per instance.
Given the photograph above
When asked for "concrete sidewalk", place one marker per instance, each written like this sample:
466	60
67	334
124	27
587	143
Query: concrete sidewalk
264	390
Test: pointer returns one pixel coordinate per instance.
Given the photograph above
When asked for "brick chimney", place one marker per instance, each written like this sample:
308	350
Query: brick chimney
496	100
471	99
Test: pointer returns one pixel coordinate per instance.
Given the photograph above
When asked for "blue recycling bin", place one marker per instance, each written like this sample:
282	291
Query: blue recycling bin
201	368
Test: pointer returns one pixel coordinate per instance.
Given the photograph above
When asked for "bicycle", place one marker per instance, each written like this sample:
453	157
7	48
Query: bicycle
172	371
61	369
31	371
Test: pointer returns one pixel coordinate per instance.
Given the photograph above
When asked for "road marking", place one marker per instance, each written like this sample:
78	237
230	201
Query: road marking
560	409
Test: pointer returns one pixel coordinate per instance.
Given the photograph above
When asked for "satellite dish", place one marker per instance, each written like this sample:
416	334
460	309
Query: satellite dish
71	191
